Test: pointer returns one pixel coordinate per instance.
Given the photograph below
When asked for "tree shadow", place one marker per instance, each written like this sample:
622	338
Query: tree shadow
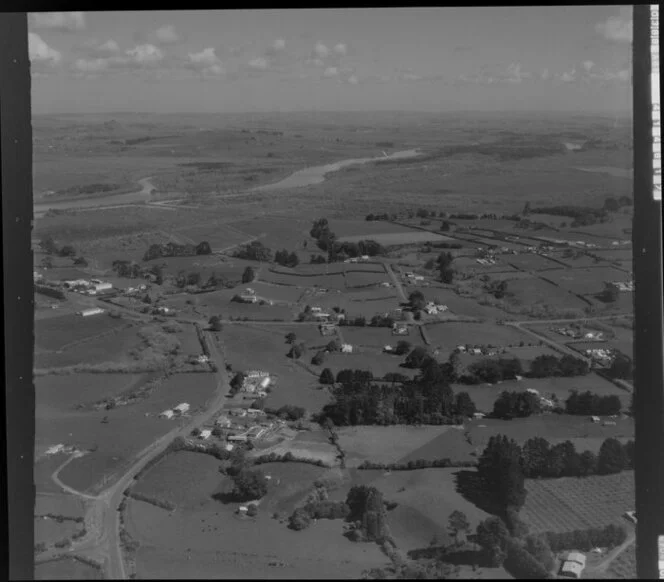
470	486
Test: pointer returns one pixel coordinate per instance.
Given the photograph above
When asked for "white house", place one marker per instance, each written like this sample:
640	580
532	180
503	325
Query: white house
101	286
265	382
594	418
249	298
166	414
205	434
574	565
388	349
202	359
223	421
91	311
346	348
181	408
532	391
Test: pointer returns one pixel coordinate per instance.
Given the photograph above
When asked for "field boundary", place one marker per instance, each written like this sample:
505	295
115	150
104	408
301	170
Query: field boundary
101	335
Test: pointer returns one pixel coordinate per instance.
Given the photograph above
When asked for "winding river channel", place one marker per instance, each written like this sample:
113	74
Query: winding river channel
305	177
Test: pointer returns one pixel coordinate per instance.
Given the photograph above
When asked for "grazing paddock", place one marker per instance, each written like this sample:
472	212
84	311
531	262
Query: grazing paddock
64	504
357	279
55	333
615	254
276	292
385	444
222	545
451	444
512	276
219	235
465	306
387	239
585	281
306	333
110	348
127	432
294	280
364	267
290	483
502	265
377	364
49	530
623	567
183	478
539	291
66	391
379	337
65	274
370	307
425	497
249	348
449	335
278	232
549	426
581	262
307	445
530	262
66	568
255	311
570	503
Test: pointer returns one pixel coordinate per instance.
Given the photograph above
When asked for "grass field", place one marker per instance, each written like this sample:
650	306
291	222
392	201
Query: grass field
449	335
358	279
425	497
387	444
127	432
533	291
570	503
219	234
49	530
183	478
278	232
387	238
281	278
276	292
56	333
66	569
64	273
549	426
248	348
308	445
364	267
585	281
530	262
378	337
364	228
451	444
624	566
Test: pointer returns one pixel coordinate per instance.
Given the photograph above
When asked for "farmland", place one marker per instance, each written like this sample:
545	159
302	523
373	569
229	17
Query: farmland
67	568
566	504
399	238
585	281
448	335
386	444
537	291
56	333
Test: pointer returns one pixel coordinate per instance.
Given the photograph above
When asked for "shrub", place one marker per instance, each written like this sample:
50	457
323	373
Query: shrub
252	510
521	564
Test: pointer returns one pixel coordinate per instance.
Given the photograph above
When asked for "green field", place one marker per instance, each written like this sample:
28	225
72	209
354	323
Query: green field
449	335
529	292
585	281
56	333
66	569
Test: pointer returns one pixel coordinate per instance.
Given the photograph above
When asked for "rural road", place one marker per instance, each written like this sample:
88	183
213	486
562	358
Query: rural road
603	566
102	541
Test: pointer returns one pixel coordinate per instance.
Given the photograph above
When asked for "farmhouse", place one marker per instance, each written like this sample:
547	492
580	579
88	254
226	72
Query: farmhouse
256	374
249	298
205	434
574	565
346	348
399	329
594	418
388	349
166	414
238	438
181	408
91	311
223	421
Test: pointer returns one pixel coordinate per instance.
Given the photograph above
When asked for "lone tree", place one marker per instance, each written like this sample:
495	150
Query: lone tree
403	347
458	523
248	275
416	300
610	293
215	323
493	537
297	351
48	245
326	376
291	338
612	457
67	251
249	484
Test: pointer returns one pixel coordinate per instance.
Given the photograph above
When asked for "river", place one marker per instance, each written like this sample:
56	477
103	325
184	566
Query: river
305	177
316	174
111	200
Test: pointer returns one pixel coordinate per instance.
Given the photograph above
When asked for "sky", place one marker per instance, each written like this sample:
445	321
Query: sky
575	58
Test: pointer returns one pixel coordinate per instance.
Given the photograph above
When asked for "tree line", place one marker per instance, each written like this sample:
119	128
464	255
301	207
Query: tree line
171	249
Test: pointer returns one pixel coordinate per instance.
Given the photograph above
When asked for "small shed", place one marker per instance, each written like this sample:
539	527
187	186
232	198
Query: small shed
346	348
205	434
91	311
181	408
265	382
166	414
594	418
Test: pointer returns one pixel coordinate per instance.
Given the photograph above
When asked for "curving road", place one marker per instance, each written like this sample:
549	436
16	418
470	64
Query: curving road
102	541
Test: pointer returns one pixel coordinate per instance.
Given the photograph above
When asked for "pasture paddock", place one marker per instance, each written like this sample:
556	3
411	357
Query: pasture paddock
66	568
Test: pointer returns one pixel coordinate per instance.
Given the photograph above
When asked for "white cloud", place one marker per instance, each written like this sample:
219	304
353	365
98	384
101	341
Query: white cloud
331	72
568	76
167	35
316	62
279	44
206	62
40	52
110	46
340	48
545	75
588	65
623	76
321	50
145	54
62	21
616	28
91	66
259	63
353	80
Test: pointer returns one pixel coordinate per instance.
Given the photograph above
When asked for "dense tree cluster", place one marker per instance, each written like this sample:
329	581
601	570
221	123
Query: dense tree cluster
254	251
511	405
501	473
382	216
297	351
381	321
622	367
427	399
444	262
585	540
291	412
248	275
286	259
339	251
249	484
317	259
491	371
613	205
589	403
366	509
547	365
170	249
540	459
415	464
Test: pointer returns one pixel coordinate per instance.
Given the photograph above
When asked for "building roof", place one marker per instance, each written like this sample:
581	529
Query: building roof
577	557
